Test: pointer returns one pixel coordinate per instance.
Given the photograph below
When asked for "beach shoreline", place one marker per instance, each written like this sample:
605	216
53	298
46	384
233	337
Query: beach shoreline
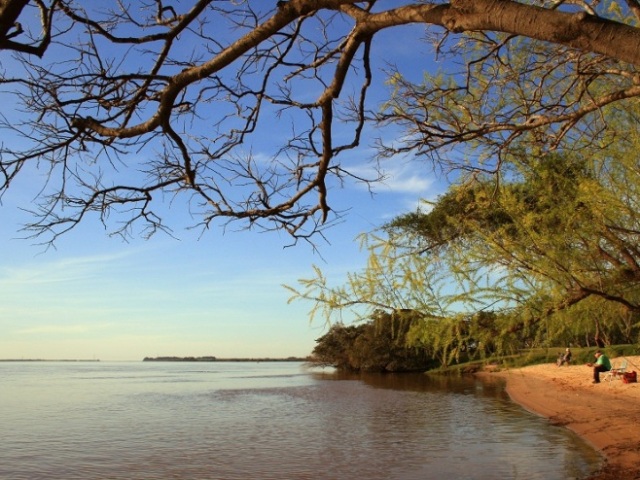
606	415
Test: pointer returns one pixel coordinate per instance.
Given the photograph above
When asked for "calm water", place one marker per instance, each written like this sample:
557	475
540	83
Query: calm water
268	421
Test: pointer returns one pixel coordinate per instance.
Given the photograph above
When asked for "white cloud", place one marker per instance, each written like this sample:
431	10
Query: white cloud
403	182
403	176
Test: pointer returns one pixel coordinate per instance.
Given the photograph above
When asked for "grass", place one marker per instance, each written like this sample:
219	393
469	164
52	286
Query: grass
536	356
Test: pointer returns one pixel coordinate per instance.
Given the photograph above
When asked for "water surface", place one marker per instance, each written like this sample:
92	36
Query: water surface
271	420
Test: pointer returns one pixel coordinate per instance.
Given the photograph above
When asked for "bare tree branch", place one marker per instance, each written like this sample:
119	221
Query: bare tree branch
122	107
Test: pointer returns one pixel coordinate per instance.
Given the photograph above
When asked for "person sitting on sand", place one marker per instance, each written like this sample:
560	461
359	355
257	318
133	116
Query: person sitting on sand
602	364
564	358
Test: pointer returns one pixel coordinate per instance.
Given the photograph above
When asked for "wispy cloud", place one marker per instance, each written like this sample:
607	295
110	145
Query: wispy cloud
404	181
399	177
64	270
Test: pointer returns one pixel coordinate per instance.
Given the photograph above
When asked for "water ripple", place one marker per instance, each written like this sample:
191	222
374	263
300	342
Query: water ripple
135	422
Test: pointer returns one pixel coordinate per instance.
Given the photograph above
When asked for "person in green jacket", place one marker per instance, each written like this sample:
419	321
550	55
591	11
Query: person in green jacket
602	364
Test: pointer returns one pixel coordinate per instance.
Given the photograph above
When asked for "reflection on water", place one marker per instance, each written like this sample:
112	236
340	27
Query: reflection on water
268	421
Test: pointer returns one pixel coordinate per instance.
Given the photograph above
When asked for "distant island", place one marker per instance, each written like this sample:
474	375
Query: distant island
215	359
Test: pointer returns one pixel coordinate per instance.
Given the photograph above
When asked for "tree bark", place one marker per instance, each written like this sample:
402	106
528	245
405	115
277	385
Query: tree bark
580	30
10	10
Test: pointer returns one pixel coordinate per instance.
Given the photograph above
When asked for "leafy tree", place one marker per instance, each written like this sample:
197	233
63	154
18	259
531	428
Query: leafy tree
377	345
127	106
594	321
335	346
560	224
502	266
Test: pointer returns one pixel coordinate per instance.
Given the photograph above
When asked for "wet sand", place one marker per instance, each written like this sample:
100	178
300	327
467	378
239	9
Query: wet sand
607	414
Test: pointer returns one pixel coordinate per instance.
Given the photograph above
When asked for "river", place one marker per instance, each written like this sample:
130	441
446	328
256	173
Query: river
269	420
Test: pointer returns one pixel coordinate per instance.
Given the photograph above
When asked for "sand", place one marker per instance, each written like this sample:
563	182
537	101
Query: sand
607	415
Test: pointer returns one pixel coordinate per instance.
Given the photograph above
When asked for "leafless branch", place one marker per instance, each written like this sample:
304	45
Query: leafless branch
123	107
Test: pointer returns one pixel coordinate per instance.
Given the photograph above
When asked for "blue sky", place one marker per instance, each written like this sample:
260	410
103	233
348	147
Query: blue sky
220	294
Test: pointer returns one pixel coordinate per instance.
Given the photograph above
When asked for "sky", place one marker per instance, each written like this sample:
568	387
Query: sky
221	294
98	297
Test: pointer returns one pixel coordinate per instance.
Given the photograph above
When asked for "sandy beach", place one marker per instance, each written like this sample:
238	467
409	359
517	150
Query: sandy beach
607	415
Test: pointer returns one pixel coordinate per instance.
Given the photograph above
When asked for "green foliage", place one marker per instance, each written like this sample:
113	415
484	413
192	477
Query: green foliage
378	345
579	355
334	348
546	257
540	251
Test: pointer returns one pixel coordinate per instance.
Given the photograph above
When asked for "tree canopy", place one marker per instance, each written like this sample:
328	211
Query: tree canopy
126	106
548	256
379	345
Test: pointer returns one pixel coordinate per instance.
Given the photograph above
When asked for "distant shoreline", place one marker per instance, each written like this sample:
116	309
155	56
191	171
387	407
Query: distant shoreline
215	359
161	359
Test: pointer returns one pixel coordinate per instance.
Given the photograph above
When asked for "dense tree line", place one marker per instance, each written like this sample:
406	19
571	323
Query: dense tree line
379	345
